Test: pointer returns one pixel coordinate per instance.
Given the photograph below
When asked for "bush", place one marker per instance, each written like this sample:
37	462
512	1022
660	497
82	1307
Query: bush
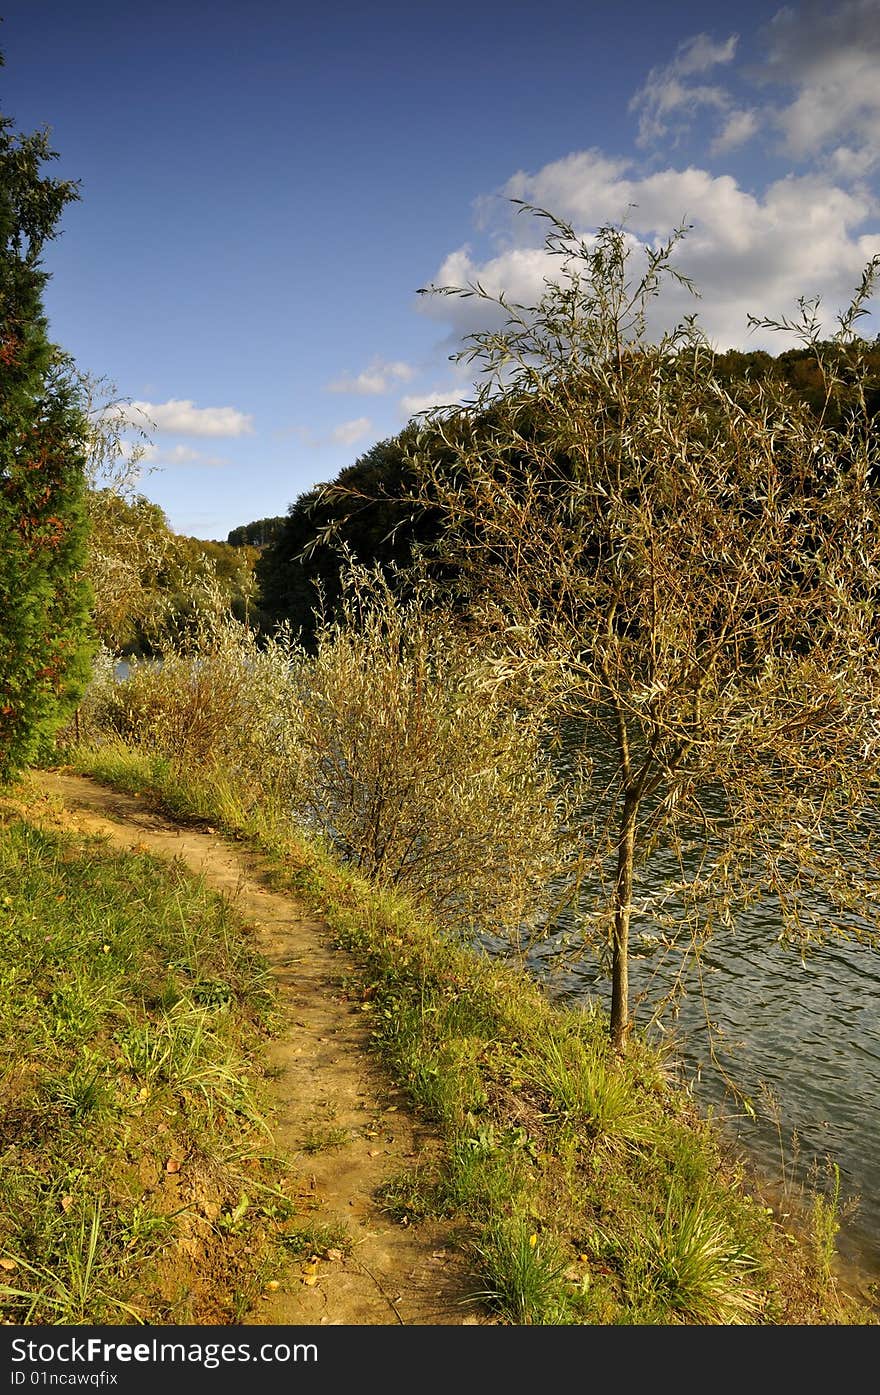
388	742
418	770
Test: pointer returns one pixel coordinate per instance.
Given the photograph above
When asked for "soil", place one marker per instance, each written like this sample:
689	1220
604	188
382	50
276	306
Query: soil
327	1085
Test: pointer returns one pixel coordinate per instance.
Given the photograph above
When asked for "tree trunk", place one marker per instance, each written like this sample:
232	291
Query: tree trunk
622	911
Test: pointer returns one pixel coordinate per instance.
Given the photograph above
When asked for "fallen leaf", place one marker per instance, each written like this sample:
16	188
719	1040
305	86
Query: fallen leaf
310	1280
8	1264
172	1165
272	1285
66	1203
334	1254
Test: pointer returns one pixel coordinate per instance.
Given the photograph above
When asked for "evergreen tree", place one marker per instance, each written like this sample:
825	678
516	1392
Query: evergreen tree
45	643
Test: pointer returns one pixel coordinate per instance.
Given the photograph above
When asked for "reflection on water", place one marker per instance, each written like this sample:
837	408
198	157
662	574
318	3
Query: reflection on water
802	1035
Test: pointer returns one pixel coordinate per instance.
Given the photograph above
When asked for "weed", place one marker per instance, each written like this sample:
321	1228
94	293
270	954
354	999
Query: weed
74	1290
690	1268
84	1091
486	1171
134	1011
588	1086
544	1132
825	1217
317	1238
522	1271
323	1138
412	1195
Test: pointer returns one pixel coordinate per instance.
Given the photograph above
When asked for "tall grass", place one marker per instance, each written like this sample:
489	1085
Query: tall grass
389	743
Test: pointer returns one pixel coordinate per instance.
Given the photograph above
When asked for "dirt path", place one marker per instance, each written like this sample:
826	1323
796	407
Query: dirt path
327	1086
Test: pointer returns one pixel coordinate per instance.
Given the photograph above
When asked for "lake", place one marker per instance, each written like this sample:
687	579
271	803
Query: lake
800	1038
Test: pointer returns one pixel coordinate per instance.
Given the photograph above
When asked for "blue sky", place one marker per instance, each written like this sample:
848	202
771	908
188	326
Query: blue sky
265	187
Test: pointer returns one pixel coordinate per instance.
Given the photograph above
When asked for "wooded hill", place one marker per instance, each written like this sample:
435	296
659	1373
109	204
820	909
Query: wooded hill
365	510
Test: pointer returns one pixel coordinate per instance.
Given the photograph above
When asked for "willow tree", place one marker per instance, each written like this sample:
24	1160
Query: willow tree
686	568
45	642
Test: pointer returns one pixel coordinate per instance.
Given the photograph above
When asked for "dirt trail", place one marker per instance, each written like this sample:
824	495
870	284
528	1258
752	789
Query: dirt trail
327	1086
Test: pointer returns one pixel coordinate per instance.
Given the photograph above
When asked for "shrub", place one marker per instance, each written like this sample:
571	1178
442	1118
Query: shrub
388	742
420	772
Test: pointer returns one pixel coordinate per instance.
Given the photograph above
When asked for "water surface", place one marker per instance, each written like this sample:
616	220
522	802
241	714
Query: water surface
800	1037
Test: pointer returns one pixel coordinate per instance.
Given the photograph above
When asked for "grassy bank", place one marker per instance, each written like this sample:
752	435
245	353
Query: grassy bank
137	1176
588	1189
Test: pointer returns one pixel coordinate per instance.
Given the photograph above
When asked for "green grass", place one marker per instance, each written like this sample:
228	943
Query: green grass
691	1267
586	1187
134	1015
323	1138
317	1239
523	1273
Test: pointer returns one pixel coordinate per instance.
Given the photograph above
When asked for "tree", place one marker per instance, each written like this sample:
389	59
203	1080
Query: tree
358	515
129	536
129	543
689	571
198	571
45	643
260	533
147	581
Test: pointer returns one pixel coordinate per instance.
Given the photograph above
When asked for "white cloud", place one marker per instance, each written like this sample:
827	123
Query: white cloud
699	54
831	58
747	252
379	377
350	431
185	455
668	89
417	402
851	165
516	272
820	69
738	128
750	249
181	416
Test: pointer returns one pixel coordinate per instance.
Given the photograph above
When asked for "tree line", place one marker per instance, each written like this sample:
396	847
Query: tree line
367	511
